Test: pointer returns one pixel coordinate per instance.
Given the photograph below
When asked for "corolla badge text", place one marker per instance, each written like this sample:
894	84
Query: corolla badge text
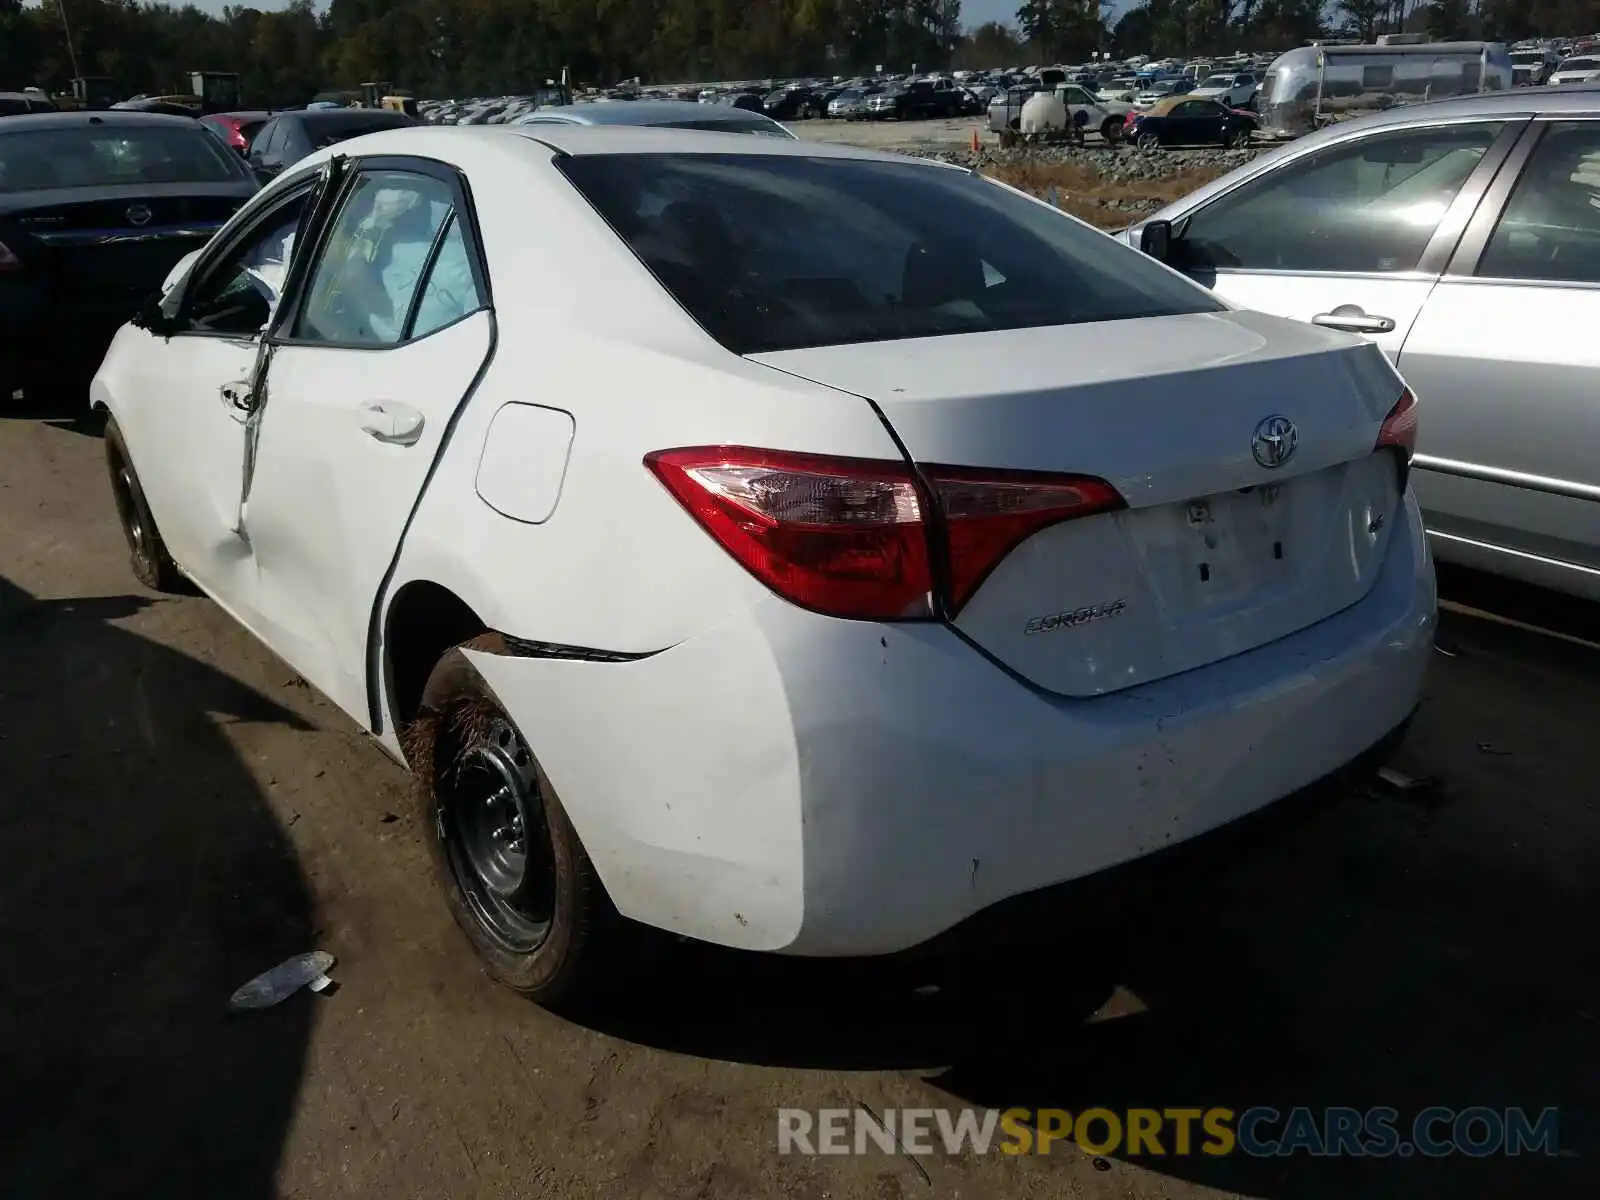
1074	617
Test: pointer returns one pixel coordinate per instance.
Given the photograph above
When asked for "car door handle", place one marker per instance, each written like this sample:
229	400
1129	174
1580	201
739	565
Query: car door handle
387	421
1353	321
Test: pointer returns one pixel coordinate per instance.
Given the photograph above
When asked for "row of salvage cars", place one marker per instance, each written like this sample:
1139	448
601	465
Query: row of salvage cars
804	549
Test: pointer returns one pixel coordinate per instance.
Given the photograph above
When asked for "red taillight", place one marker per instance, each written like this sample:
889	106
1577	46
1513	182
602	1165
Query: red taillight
9	262
987	514
838	535
1400	426
854	537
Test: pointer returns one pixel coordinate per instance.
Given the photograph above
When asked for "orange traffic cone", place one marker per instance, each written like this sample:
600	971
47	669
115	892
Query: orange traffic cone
974	141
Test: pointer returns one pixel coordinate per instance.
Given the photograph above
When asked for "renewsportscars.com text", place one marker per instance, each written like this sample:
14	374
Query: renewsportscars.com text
1261	1132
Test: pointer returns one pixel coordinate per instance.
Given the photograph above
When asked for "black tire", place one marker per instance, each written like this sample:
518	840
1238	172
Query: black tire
1148	141
525	893
152	565
1111	130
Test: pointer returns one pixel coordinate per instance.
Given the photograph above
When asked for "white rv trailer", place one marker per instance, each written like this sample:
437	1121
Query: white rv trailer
1308	87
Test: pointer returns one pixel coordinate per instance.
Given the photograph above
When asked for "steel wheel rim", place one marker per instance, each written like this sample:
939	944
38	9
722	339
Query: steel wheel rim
128	509
496	839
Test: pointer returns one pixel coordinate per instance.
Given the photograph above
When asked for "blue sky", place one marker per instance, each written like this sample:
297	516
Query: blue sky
976	12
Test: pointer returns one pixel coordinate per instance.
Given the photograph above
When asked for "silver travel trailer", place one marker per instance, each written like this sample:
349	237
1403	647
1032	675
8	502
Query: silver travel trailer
1307	88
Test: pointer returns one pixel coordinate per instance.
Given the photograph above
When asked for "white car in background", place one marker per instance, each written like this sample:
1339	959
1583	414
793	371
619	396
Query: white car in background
1233	90
788	546
1584	68
1121	90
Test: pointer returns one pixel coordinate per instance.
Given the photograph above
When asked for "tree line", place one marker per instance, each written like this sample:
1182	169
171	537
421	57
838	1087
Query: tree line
445	48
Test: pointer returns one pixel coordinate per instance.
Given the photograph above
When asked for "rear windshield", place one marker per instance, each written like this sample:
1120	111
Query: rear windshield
100	156
779	253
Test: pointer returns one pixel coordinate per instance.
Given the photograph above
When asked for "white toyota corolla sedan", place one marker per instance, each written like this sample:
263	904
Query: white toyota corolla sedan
792	547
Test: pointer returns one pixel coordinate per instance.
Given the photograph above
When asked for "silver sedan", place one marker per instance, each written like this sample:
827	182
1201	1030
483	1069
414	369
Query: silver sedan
1463	237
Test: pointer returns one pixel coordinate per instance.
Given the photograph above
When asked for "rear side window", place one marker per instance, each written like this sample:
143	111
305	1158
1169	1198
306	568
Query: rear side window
778	253
1550	228
268	138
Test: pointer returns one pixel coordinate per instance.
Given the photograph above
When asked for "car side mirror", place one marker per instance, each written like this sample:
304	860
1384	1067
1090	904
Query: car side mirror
1155	239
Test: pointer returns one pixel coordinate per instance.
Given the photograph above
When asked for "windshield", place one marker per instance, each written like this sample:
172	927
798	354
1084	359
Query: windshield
1581	64
104	156
1220	82
779	253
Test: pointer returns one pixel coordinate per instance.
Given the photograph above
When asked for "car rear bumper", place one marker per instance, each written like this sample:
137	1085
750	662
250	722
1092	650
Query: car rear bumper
793	783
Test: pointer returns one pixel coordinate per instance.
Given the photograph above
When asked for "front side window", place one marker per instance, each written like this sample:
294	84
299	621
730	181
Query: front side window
1550	228
374	258
777	252
1368	206
236	295
111	154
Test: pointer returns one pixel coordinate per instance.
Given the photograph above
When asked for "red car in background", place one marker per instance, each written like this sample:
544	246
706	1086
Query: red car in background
237	128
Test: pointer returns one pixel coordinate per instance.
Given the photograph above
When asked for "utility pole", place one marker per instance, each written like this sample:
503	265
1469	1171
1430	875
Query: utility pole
72	54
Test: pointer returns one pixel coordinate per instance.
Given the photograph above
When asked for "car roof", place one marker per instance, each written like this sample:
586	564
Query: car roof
122	118
585	140
649	112
455	143
1540	101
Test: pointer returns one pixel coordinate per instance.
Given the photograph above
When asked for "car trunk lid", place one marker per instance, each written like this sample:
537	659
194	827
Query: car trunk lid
1215	553
121	242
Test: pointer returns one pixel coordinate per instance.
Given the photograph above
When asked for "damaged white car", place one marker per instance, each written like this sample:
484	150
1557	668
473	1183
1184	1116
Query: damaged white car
792	547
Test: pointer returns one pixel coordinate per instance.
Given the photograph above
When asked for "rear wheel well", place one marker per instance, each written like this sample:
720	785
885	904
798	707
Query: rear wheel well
425	620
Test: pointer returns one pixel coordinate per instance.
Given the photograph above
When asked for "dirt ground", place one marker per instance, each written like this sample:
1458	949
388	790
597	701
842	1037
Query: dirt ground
953	133
179	812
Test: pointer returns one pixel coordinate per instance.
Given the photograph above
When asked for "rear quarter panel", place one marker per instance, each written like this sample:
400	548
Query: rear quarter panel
583	329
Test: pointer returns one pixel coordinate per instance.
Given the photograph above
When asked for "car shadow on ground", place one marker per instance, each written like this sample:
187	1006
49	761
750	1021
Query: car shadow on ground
142	879
61	408
1377	947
